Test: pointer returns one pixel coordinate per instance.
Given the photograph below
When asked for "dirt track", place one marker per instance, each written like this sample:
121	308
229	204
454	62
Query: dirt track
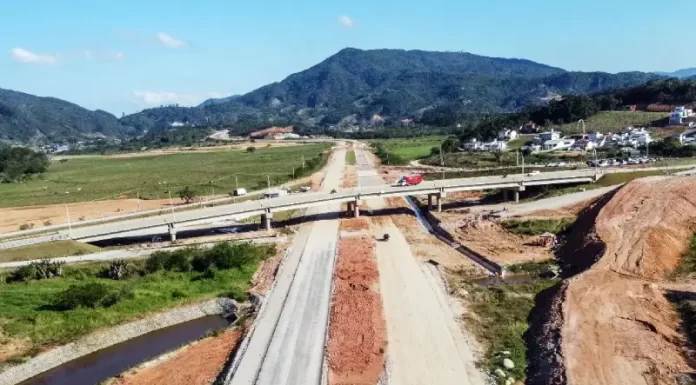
617	327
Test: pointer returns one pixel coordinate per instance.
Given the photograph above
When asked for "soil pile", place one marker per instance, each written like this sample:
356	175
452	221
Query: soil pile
617	327
491	240
354	224
198	364
357	332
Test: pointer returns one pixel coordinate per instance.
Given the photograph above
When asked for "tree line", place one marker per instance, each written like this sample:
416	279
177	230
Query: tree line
17	163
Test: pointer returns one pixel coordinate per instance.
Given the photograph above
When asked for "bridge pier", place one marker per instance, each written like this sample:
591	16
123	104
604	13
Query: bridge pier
356	209
266	220
172	232
438	199
516	196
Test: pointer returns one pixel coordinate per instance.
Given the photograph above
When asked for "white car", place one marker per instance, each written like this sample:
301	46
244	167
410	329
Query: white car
535	172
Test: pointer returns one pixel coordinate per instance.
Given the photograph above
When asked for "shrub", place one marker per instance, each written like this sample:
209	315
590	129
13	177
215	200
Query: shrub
155	262
178	261
177	294
201	262
47	223
26	226
118	269
91	295
250	149
44	269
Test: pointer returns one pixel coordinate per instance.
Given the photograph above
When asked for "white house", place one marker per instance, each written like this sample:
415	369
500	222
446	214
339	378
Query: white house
680	114
472	145
495	145
549	135
558	144
507	134
583	145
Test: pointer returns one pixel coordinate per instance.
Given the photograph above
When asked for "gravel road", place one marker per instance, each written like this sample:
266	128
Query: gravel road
287	343
425	343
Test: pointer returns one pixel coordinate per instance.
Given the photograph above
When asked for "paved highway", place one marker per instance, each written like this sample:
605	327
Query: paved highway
286	345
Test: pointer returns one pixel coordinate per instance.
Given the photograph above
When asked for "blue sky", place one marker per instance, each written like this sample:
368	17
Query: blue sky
123	56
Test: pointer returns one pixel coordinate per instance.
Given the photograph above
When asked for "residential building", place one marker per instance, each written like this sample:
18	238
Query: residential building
472	145
583	145
679	115
507	134
558	144
549	135
495	145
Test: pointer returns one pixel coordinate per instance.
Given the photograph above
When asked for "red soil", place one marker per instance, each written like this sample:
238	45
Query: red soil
196	365
357	331
354	224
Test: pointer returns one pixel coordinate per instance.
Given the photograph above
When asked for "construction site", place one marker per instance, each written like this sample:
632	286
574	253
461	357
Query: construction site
590	288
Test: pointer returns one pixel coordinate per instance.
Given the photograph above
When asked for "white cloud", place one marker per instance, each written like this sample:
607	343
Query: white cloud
23	56
184	99
346	21
103	55
170	41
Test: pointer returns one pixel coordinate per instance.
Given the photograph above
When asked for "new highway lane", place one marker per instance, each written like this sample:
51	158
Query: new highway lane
286	345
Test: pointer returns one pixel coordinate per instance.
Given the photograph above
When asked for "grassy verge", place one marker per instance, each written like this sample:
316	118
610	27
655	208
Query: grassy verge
687	266
350	158
498	317
613	121
55	311
537	226
409	149
531	267
89	178
55	249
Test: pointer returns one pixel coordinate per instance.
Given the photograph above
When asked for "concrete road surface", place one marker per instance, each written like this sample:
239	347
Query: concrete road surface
287	343
425	343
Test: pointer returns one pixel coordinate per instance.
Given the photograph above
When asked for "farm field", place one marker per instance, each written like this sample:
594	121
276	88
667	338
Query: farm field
411	148
81	179
55	249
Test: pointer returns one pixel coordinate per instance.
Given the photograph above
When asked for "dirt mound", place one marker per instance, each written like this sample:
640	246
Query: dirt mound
198	364
354	224
491	240
616	326
357	332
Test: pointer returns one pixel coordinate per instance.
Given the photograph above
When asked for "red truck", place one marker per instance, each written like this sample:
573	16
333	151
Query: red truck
410	180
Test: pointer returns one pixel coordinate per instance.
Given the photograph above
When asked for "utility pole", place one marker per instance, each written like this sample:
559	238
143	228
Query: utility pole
138	199
171	205
67	211
522	164
303	163
268	178
293	173
236	183
517	158
442	162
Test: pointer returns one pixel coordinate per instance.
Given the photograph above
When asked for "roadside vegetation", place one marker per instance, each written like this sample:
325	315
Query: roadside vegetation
350	158
54	249
153	177
51	304
498	317
20	163
532	268
687	267
537	226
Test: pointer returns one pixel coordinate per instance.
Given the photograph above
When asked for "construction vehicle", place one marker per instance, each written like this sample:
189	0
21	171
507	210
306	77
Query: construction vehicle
410	180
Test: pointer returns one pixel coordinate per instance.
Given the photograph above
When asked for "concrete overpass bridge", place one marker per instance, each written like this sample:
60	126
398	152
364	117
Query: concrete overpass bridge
171	222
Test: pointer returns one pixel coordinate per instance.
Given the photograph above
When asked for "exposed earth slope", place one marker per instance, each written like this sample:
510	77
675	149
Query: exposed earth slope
615	324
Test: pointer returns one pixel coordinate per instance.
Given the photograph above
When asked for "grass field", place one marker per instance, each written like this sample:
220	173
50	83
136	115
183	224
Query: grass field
55	249
537	226
350	158
614	121
28	313
412	148
97	178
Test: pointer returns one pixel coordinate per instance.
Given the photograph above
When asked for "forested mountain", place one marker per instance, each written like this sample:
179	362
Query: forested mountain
380	87
681	74
355	86
31	119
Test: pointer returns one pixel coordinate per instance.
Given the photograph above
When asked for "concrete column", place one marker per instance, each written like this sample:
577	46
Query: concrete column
516	194
356	209
430	201
438	197
172	233
266	221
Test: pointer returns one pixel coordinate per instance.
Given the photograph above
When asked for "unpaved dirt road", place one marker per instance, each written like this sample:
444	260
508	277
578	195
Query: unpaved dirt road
425	343
286	345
